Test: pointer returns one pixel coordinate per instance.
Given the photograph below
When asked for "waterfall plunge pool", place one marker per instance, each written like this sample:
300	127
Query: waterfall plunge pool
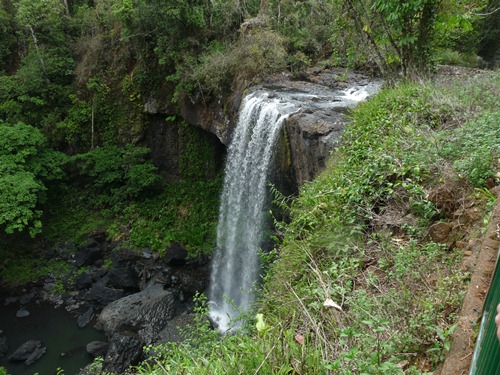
59	333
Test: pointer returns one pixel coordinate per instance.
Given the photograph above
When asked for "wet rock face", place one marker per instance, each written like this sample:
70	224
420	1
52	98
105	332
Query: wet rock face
124	350
309	135
166	141
323	99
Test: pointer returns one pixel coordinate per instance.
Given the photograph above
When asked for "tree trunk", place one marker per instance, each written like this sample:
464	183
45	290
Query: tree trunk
263	8
92	127
35	42
66	6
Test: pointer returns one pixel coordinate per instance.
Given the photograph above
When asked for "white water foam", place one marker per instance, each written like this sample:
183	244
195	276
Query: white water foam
355	94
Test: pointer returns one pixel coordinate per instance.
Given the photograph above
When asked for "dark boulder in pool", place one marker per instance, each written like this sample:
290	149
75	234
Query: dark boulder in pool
28	352
35	356
22	313
86	317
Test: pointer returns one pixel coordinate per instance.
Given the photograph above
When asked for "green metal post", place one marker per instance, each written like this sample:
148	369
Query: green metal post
486	360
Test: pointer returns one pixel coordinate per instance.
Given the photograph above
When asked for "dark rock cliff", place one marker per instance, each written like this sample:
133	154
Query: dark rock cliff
307	139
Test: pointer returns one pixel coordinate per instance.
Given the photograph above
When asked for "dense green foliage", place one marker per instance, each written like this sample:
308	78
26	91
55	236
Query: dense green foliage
26	167
185	213
117	174
82	74
395	292
24	270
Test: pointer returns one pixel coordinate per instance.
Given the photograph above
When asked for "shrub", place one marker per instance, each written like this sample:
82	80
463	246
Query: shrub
479	145
255	55
26	167
117	174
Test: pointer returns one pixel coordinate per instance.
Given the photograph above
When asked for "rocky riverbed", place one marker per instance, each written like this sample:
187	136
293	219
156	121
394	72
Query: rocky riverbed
116	300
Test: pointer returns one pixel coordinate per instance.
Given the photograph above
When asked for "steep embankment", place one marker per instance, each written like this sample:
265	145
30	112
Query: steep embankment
383	231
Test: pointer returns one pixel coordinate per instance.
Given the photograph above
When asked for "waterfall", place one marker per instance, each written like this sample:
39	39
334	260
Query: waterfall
244	201
243	208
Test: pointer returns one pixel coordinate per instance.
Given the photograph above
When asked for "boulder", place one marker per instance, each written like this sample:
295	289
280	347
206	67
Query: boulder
125	258
100	275
124	274
147	253
97	348
103	295
35	356
22	313
175	255
25	351
91	252
85	318
192	281
10	300
124	278
124	350
26	298
144	313
439	232
4	348
83	281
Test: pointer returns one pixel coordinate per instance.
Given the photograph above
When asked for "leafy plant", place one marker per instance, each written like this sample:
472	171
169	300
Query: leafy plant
255	55
402	36
26	167
475	148
116	174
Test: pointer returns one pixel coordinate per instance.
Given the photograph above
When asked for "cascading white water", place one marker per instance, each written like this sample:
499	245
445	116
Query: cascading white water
243	211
